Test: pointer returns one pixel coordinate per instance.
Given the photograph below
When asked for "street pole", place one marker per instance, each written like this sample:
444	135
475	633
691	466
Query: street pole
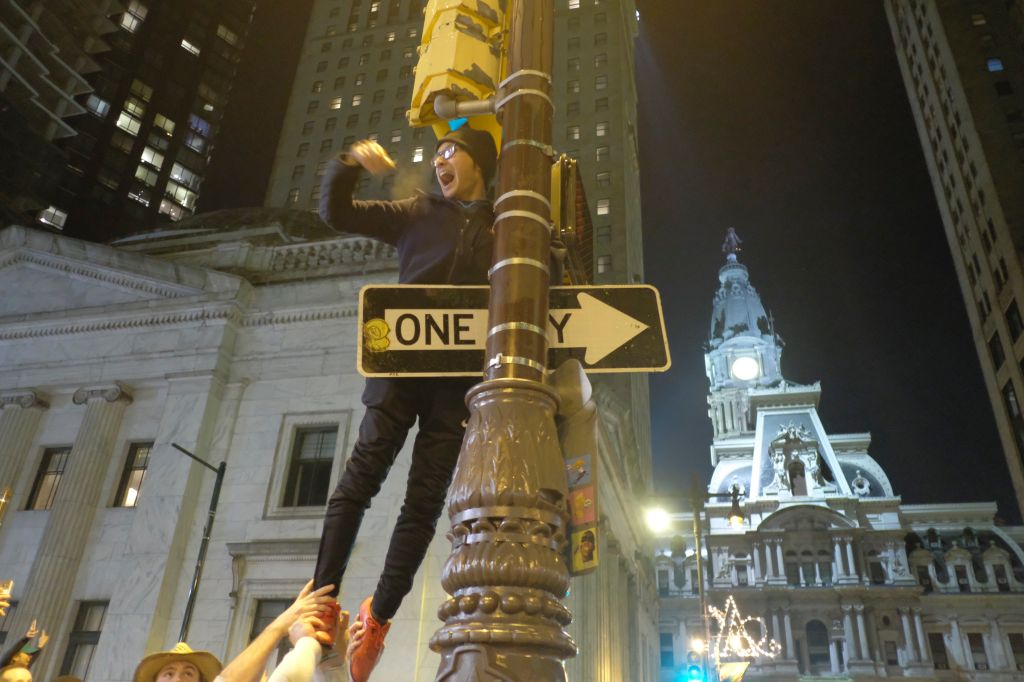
193	589
697	500
505	619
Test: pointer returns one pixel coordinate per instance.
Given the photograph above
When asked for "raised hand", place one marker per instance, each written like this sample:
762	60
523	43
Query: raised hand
371	156
32	631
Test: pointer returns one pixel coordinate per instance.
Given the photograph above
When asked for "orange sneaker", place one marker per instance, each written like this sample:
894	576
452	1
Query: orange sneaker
330	620
365	657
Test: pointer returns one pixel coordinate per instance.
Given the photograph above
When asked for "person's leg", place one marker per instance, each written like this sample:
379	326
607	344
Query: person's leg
434	456
390	412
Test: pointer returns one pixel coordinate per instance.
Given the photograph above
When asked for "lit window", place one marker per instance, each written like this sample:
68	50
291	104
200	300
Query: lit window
407	53
309	471
84	638
332	30
411	33
417	155
143	91
53	217
163	123
227	35
336	103
978	19
195	141
131	478
603	206
994	65
573	64
604	264
172	210
573	87
600	60
364	59
318	86
152	157
321	168
97	106
189	47
293	195
573	132
140	195
396	136
601	129
187	177
360	78
357	100
390	37
51	470
181	194
600	82
604	179
128	123
134	106
574	4
135	15
146	175
601	154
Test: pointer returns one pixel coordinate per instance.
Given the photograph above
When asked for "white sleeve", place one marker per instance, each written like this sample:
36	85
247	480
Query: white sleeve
299	664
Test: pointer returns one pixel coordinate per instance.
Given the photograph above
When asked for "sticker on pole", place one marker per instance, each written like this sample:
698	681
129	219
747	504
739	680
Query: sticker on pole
409	330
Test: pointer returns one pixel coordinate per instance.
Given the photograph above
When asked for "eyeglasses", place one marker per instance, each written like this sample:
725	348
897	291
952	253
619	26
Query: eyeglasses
446	151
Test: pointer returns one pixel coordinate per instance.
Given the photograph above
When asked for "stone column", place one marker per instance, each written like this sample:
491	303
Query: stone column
849	557
20	412
803	579
998	648
756	578
851	650
790	649
769	572
48	592
922	640
838	560
907	636
960	654
865	651
833	656
779	559
817	573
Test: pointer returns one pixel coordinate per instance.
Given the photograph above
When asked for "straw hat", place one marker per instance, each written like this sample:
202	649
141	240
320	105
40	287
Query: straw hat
205	662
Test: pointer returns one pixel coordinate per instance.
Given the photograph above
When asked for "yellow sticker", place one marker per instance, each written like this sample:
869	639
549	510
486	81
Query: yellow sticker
375	335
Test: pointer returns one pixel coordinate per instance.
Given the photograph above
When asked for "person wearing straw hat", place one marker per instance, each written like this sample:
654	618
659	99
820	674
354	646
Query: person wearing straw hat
180	664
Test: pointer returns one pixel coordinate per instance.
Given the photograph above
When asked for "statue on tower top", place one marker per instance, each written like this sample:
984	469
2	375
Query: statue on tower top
731	246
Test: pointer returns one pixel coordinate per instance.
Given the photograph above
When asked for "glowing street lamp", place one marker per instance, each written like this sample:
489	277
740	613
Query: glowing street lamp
657	519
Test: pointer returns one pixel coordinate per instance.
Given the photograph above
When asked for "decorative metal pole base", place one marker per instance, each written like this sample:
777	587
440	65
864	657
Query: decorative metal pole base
505	620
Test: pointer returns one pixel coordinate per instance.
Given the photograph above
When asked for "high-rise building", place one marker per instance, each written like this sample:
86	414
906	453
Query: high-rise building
143	144
827	561
963	66
49	49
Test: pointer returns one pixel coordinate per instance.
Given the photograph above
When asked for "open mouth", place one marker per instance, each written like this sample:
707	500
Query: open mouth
446	178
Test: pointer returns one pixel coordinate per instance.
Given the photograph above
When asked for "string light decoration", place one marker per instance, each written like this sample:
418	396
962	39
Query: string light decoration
733	640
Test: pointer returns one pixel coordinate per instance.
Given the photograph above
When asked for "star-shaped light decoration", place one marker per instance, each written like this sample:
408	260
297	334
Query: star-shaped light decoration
733	640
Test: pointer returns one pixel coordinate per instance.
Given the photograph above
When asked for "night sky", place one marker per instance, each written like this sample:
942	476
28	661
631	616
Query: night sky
788	121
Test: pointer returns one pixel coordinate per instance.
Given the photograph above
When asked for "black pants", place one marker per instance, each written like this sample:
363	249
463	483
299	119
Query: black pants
392	407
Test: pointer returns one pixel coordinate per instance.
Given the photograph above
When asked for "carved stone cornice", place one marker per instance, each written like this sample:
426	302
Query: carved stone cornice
111	393
101	324
23	399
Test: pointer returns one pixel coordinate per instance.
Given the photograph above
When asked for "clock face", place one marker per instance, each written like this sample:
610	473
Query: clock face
745	368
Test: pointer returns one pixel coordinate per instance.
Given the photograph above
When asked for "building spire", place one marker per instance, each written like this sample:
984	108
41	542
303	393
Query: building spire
731	246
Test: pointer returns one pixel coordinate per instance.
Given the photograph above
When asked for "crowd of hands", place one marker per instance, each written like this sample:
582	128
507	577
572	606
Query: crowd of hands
302	620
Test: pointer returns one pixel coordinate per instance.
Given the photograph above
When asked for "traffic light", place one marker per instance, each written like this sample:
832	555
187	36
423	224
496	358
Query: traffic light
694	667
461	58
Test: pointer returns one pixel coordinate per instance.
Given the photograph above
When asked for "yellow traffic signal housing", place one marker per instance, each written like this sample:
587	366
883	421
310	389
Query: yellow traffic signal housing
460	57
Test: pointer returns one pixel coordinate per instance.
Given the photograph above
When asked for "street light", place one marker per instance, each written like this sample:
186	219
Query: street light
735	513
657	519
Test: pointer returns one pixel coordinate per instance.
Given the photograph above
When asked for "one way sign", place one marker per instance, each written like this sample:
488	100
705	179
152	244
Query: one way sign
442	330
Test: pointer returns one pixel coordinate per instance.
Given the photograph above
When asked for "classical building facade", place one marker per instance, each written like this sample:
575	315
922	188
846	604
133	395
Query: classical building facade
232	335
850	582
963	67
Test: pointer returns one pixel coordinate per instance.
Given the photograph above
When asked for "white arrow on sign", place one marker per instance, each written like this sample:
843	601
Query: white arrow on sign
595	326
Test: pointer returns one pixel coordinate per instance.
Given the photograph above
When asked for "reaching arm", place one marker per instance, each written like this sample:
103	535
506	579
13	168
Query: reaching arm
300	663
383	220
249	665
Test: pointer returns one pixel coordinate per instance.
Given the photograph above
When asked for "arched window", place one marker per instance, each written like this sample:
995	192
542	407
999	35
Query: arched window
817	646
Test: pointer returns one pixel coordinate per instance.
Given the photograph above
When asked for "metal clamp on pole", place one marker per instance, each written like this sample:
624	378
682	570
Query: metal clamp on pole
448	107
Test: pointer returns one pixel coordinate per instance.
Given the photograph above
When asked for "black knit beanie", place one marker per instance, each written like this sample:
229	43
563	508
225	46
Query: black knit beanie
479	145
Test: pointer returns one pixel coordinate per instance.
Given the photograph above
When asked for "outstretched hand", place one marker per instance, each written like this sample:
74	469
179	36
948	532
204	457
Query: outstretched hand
372	157
308	604
32	630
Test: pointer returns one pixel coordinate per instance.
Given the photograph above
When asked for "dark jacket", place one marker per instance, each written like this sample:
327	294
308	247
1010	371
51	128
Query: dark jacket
438	241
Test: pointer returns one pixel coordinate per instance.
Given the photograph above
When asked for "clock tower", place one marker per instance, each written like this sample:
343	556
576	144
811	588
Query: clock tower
743	351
